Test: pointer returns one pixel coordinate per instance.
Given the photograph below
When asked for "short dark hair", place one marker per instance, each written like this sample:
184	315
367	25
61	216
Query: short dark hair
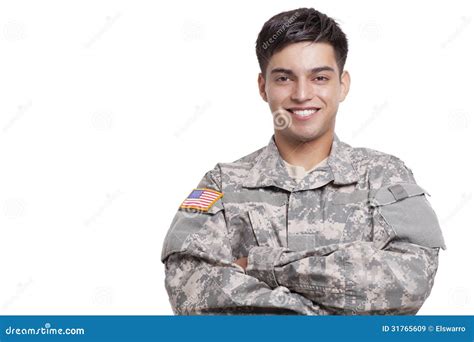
300	25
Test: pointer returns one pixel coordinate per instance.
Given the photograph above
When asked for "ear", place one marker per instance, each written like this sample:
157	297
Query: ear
345	85
261	87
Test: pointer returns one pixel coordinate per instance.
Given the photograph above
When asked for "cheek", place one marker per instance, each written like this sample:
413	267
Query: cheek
329	95
277	95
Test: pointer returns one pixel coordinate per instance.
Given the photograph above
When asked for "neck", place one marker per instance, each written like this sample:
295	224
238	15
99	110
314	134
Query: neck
306	154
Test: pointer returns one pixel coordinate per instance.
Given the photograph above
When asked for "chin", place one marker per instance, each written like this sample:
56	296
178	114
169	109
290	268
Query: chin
304	136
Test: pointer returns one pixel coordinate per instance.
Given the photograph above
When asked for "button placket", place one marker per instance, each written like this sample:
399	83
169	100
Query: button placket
298	238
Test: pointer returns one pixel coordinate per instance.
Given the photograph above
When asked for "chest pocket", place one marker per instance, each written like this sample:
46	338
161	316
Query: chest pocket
352	212
255	218
268	224
335	217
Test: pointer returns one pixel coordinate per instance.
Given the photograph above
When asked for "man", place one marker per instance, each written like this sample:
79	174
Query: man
308	224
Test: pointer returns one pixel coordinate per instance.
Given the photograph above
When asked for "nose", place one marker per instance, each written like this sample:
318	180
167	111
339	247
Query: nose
302	91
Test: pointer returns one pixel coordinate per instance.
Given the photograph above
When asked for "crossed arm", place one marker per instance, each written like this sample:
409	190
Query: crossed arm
355	278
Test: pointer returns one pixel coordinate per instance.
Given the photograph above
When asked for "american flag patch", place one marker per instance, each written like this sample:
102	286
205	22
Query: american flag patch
201	199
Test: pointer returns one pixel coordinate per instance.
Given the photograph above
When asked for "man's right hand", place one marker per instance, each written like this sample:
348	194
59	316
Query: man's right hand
242	262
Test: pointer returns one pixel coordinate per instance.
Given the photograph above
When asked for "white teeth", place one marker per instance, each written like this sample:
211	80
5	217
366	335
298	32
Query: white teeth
306	112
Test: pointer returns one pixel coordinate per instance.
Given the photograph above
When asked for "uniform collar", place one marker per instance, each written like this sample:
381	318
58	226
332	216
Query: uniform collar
269	169
340	162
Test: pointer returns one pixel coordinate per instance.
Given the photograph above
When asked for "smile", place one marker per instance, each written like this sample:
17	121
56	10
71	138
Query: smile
303	113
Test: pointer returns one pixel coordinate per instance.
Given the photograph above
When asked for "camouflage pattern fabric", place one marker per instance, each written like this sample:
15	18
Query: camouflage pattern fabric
355	236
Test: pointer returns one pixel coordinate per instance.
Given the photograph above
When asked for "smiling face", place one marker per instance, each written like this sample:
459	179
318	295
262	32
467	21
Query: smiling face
303	86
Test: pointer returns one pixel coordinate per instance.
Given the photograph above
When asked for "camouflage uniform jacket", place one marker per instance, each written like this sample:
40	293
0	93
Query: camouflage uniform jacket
354	236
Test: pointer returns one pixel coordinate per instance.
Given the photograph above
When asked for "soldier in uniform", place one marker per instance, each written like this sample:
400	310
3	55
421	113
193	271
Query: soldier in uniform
307	224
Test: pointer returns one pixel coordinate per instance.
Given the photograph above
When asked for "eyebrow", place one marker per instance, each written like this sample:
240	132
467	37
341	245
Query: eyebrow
313	71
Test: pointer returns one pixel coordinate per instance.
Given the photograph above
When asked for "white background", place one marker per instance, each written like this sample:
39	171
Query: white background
112	111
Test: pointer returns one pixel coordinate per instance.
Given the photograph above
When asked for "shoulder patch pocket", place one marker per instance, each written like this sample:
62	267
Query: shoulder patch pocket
186	222
201	199
408	213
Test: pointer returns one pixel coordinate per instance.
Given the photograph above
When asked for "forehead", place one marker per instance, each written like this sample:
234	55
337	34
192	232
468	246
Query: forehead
303	56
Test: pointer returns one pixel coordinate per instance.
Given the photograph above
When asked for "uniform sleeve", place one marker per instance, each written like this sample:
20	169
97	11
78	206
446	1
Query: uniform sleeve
201	278
392	274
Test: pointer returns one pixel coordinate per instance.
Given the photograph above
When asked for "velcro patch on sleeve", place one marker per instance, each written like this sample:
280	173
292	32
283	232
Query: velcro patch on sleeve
201	199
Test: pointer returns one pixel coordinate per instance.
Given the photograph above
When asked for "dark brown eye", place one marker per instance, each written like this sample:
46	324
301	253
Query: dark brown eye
282	79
